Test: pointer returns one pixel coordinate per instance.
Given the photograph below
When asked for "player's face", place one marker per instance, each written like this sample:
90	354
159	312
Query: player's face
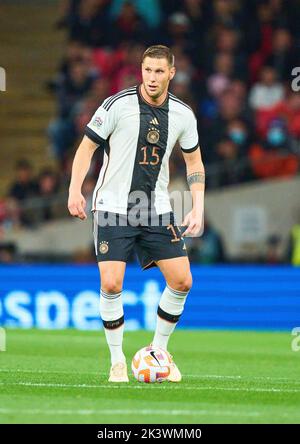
156	76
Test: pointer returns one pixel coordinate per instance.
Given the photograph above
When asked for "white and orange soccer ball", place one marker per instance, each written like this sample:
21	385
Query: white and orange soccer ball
151	364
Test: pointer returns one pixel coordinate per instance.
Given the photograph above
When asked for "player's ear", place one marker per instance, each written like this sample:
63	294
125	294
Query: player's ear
172	72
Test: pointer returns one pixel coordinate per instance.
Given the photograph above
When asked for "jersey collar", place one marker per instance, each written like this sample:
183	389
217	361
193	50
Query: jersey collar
163	105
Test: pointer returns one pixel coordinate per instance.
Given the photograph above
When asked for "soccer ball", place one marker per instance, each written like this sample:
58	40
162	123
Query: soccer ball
151	364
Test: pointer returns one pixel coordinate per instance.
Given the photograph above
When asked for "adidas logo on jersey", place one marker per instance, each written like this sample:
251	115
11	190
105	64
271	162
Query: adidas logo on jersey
154	121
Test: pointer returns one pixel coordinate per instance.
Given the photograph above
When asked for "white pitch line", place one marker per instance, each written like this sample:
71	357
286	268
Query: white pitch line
127	412
66	372
153	386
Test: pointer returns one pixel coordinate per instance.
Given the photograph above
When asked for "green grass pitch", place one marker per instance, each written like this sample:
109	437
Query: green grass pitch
228	377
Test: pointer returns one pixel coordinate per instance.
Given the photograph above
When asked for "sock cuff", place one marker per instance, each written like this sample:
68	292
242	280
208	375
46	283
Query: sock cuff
111	309
167	316
110	296
112	325
177	292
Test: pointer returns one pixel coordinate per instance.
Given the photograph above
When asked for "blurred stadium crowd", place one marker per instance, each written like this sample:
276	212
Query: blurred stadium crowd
234	61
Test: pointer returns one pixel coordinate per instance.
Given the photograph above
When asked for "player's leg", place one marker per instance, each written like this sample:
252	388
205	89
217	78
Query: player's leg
111	306
178	278
178	283
164	246
113	246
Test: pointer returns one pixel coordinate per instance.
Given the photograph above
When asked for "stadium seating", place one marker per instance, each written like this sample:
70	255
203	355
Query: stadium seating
26	104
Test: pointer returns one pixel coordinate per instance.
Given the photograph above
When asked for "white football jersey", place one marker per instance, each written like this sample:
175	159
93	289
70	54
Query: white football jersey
138	139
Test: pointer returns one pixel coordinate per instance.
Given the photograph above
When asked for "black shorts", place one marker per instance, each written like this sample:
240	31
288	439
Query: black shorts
116	242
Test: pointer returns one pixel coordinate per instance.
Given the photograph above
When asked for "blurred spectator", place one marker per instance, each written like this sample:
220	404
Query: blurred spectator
8	253
239	132
109	61
227	40
268	92
178	28
71	89
9	214
231	169
287	110
75	51
181	90
177	34
219	80
129	73
230	107
84	112
183	85
227	13
89	23
273	157
196	10
207	249
282	58
47	204
259	38
129	26
238	88
24	187
75	85
87	107
149	10
184	70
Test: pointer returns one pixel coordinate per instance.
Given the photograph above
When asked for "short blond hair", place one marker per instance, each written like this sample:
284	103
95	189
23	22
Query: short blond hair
160	52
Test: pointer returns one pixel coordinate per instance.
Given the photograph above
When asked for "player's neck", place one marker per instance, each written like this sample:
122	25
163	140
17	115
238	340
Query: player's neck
156	102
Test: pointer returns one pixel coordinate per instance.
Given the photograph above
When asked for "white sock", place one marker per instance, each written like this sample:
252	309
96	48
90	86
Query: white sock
169	310
112	314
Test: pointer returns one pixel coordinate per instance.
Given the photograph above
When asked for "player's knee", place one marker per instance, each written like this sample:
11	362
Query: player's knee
111	286
184	284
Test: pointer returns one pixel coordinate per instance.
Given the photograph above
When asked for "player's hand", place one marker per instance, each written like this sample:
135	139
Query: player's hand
76	205
194	223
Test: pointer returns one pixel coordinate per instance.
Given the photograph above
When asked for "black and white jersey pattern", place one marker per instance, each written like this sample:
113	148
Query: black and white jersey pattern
138	139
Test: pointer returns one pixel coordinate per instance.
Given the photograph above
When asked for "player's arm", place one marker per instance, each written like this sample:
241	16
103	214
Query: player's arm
81	165
196	181
97	132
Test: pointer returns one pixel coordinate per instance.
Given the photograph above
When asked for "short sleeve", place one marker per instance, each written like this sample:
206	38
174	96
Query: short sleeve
189	139
102	124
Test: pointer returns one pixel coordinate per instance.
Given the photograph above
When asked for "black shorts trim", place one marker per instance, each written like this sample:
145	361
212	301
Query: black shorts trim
151	264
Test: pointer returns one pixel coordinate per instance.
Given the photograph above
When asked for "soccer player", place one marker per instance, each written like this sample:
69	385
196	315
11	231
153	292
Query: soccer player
137	129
